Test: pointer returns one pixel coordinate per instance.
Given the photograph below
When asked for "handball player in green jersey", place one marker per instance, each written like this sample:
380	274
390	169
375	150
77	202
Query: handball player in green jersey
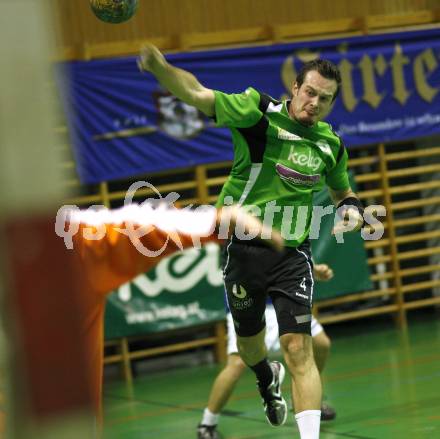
283	152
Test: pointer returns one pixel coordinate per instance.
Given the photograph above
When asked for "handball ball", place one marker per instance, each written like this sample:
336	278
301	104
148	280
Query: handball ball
114	11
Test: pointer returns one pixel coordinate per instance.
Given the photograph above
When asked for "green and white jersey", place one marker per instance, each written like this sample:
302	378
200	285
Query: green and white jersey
278	163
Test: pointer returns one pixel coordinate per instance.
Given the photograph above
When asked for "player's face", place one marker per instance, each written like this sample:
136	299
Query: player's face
313	100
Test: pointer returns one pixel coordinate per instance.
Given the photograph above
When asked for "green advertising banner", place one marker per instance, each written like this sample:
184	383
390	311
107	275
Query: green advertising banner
186	289
348	259
183	290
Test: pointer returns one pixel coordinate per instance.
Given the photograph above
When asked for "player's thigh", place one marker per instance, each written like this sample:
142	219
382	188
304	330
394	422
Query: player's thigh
245	283
291	291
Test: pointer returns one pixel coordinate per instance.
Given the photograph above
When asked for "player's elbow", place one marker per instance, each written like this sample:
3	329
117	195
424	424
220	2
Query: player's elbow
204	100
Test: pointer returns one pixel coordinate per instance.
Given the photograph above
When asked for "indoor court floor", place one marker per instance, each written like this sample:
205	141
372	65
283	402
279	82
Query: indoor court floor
384	384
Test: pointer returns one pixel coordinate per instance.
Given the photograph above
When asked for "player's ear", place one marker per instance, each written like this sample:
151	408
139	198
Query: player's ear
295	89
332	104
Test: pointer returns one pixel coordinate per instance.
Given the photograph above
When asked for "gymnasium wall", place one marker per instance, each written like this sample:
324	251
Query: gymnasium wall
183	24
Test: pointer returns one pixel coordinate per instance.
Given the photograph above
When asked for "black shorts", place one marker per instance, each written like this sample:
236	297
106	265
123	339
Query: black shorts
253	272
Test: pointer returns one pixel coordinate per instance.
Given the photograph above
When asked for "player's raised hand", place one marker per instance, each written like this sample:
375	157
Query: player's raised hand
352	222
322	272
150	58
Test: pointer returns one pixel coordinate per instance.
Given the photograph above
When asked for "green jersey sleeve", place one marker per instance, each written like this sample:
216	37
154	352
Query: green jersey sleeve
237	110
337	178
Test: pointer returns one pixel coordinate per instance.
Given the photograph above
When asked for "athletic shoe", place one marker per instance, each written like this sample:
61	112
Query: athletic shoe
274	404
328	413
207	432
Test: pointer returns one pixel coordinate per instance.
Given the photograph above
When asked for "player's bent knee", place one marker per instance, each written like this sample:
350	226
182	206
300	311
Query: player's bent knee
293	342
236	363
296	348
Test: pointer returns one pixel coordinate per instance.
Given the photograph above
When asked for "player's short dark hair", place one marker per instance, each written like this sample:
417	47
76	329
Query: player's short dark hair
325	68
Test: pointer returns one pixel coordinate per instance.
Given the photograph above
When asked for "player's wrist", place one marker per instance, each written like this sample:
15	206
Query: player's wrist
350	203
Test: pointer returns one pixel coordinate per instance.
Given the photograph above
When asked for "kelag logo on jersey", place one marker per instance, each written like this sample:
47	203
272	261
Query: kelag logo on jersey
308	160
305	161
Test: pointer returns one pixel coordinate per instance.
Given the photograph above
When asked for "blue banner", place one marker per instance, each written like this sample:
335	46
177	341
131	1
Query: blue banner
123	124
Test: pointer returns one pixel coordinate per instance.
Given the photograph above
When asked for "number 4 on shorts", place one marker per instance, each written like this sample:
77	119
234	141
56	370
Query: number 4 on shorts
303	284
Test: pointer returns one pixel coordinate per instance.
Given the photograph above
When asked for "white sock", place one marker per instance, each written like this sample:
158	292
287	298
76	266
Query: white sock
210	418
308	423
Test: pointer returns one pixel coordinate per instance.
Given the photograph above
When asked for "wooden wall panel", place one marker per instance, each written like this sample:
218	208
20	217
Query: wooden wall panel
168	20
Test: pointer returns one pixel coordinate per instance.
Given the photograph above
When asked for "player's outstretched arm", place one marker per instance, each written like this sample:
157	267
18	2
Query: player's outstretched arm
233	218
182	84
116	245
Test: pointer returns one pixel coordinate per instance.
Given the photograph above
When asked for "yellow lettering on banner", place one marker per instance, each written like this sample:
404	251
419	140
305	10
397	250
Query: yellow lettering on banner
348	97
347	90
306	55
398	62
288	73
425	62
368	68
371	68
